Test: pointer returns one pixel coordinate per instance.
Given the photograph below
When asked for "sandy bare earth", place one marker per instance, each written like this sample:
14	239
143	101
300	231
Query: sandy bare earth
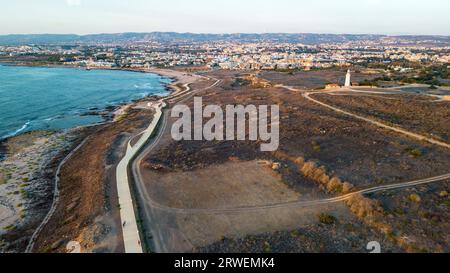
230	185
21	171
221	186
181	77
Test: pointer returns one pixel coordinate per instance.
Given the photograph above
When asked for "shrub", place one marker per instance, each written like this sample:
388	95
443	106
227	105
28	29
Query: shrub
334	184
324	179
316	146
414	152
300	161
327	219
267	247
308	168
10	228
414	198
347	188
318	173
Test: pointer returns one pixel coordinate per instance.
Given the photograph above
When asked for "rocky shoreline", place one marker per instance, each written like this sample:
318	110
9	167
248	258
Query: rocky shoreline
28	164
27	170
2	150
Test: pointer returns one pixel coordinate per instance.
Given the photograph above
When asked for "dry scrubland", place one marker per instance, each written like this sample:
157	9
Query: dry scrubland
26	183
321	154
421	215
231	184
88	208
313	79
418	113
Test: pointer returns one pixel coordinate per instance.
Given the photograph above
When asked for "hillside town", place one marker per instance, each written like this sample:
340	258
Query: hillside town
234	55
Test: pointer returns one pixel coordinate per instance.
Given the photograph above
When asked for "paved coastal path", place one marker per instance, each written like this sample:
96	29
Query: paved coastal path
152	207
132	242
130	230
158	237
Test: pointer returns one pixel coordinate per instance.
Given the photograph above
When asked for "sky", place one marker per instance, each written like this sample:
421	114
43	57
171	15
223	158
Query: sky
390	17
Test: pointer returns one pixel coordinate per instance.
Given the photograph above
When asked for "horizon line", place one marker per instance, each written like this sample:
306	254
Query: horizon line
225	33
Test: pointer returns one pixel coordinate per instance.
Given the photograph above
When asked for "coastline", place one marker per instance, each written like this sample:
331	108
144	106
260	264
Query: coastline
174	75
15	208
108	111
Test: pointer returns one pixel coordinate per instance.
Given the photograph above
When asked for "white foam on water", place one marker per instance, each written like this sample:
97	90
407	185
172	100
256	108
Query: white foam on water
18	131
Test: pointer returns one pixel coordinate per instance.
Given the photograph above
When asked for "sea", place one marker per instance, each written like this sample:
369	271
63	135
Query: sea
41	98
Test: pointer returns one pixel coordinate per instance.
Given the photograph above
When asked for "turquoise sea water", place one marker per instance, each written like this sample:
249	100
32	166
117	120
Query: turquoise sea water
34	98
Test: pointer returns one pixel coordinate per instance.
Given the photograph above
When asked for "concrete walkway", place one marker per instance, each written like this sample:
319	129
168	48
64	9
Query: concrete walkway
130	231
132	242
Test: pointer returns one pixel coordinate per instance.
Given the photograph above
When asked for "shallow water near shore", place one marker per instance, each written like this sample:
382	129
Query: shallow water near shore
40	98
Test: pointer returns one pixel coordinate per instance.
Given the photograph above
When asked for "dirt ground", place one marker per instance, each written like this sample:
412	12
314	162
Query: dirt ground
233	184
26	183
420	216
88	208
358	152
202	231
314	79
200	174
344	235
420	114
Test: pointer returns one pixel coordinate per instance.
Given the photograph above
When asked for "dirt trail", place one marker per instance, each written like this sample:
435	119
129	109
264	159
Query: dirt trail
307	95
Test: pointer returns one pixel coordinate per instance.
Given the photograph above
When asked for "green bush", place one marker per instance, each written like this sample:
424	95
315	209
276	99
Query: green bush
414	152
414	198
327	219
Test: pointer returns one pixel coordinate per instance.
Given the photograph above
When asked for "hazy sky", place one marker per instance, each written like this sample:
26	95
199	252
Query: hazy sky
226	16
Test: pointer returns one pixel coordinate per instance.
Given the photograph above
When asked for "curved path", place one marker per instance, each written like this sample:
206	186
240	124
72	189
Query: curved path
152	207
130	231
377	123
55	202
132	242
299	204
148	209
